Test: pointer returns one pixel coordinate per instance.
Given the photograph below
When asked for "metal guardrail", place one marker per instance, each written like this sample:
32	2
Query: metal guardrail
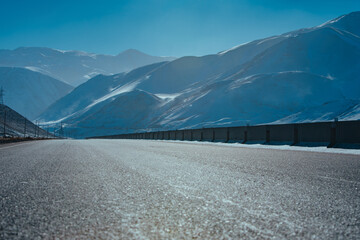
324	133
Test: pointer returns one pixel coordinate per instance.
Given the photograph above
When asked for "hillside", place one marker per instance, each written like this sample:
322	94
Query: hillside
302	76
28	92
17	125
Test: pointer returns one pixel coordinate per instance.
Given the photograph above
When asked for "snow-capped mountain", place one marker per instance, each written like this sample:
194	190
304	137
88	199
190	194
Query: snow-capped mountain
28	92
95	92
75	67
306	75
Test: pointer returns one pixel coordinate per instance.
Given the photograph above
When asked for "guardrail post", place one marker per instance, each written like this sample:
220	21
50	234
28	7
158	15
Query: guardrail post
227	135
201	135
296	134
267	137
332	134
245	136
213	136
191	135
183	135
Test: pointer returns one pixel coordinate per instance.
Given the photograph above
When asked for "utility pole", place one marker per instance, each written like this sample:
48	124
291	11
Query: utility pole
1	96
24	127
3	105
36	129
4	121
61	130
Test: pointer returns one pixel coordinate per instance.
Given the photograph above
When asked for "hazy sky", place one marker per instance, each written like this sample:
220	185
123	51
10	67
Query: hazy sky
157	27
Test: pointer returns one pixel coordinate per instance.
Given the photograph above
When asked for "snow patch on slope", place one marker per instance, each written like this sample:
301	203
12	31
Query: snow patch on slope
233	48
122	89
165	96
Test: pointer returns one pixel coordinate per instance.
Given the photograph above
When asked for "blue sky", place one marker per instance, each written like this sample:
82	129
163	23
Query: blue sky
157	27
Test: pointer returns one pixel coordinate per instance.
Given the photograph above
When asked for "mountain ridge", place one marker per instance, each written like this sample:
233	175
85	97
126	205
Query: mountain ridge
305	75
75	67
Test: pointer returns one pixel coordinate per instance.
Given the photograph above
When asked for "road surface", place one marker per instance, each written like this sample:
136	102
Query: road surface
142	189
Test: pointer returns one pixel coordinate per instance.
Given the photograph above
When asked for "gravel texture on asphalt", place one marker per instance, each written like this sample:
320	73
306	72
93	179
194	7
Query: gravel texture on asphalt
142	189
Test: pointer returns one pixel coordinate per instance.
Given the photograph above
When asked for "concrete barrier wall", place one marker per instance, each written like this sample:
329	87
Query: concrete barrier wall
256	134
221	134
314	132
328	133
188	135
283	133
348	132
166	135
197	134
179	135
207	134
236	134
172	135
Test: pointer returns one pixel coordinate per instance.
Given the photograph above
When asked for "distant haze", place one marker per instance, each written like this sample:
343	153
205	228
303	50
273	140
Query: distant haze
75	67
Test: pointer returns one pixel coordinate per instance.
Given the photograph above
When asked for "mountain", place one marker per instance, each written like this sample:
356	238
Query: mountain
347	22
324	51
306	75
75	67
95	92
136	107
28	92
255	99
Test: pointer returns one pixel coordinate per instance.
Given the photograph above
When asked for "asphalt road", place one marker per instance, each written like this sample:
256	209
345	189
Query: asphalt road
134	189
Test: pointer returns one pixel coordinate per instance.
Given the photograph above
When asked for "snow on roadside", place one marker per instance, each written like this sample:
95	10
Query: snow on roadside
319	149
